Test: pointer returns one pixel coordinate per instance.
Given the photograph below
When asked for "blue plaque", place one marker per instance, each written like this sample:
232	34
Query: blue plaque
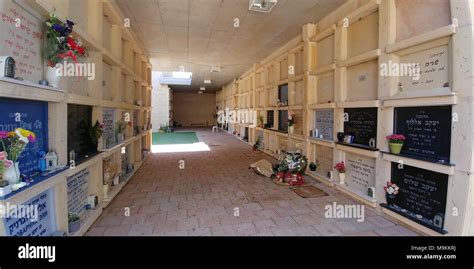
30	115
33	218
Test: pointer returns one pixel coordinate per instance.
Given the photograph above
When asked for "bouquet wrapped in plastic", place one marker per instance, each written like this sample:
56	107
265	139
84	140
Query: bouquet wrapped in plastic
290	168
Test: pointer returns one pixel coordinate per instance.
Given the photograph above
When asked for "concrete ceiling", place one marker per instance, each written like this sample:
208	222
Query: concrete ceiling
198	34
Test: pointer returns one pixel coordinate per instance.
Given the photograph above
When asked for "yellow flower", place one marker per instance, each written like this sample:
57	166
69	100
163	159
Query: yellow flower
25	135
11	134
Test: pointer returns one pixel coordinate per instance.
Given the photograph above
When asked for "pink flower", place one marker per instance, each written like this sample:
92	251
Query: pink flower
31	138
3	134
3	155
7	163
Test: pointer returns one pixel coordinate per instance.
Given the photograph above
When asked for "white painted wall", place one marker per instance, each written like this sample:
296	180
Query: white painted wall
160	103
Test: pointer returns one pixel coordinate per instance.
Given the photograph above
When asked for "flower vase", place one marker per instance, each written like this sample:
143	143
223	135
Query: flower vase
120	138
74	226
390	198
105	191
52	77
340	137
395	148
12	174
342	178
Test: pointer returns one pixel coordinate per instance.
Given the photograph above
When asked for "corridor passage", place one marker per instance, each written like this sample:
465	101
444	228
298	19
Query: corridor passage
204	197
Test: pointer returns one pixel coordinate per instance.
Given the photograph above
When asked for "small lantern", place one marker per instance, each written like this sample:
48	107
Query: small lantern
51	161
42	161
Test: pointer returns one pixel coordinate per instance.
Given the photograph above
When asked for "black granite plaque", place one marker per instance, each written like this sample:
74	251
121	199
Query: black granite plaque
427	129
422	194
362	124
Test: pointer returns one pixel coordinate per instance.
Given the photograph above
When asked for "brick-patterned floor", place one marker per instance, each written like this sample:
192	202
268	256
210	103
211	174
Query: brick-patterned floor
200	200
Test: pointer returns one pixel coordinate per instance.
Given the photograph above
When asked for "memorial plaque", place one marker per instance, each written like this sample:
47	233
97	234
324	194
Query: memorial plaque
79	117
360	173
283	120
77	191
35	217
30	115
433	69
422	194
324	123
427	129
21	37
362	123
108	119
324	160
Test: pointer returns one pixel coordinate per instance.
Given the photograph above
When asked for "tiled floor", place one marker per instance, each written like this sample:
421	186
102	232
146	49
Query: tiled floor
202	199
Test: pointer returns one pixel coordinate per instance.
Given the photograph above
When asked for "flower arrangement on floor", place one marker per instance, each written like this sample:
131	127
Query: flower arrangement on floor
341	169
395	143
291	168
391	191
12	145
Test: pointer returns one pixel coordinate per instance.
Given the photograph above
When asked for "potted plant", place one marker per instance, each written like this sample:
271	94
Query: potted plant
121	127
12	145
256	146
74	222
395	143
95	133
260	121
313	166
391	191
341	169
59	46
291	123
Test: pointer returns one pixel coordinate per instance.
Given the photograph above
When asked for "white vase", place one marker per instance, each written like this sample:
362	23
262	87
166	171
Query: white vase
12	174
291	129
105	190
52	77
342	178
120	138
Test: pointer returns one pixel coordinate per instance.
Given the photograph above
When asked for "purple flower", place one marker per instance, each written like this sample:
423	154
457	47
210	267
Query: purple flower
58	28
3	134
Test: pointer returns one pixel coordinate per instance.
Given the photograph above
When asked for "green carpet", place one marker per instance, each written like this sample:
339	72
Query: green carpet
174	138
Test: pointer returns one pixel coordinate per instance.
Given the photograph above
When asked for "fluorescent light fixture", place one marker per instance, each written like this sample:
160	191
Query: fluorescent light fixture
175	78
202	89
264	6
216	69
199	92
207	81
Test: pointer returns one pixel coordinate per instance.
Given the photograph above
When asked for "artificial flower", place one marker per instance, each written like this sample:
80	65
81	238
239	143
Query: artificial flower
22	138
68	54
58	28
32	138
